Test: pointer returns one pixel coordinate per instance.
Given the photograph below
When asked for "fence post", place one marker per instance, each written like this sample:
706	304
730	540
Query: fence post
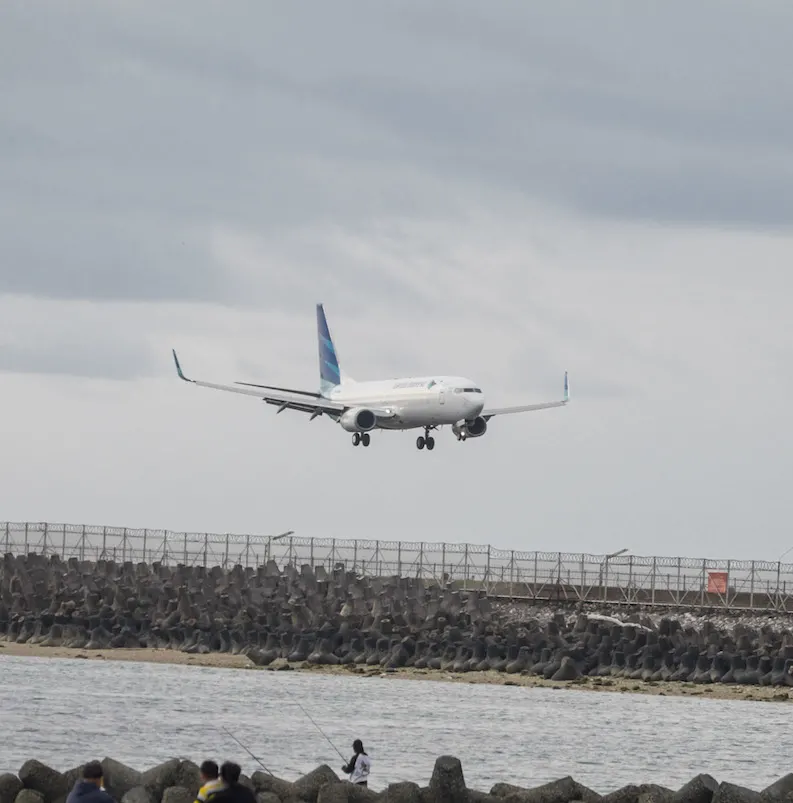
46	544
443	562
652	585
355	555
558	574
206	548
751	587
145	538
487	570
465	575
630	578
421	559
247	549
605	580
399	559
778	583
104	542
226	557
8	538
535	583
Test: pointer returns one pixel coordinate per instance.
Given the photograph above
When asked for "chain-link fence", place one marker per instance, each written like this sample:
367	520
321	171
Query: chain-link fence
555	576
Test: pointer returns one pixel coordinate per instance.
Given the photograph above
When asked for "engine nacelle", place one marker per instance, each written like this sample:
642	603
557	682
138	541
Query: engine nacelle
470	429
358	419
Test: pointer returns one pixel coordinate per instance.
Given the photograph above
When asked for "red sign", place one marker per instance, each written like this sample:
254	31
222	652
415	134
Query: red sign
717	582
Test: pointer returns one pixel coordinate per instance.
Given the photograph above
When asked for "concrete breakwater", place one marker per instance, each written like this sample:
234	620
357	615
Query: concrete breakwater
339	618
177	781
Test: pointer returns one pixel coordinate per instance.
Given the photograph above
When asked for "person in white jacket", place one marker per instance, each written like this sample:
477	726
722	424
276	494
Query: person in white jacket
359	766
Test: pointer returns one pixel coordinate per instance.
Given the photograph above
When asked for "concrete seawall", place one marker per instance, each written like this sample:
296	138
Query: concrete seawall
177	781
338	618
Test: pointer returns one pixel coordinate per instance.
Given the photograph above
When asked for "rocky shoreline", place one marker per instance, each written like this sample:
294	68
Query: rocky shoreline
177	781
311	617
717	691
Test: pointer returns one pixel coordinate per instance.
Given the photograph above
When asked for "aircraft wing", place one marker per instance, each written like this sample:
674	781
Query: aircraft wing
283	398
487	414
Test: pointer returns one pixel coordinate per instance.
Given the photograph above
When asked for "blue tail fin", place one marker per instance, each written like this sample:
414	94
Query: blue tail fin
329	371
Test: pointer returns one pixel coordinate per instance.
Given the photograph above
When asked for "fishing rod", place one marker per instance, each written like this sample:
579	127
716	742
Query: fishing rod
255	758
315	724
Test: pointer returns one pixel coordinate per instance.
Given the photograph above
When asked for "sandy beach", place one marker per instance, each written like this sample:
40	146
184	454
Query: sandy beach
226	661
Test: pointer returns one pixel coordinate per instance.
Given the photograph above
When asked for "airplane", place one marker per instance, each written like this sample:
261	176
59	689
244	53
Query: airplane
427	402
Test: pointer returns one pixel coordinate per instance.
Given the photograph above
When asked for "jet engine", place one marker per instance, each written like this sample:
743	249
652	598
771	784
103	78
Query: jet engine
358	419
470	429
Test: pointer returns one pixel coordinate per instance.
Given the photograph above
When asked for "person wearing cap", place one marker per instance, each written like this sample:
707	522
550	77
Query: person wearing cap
359	766
233	791
211	783
90	789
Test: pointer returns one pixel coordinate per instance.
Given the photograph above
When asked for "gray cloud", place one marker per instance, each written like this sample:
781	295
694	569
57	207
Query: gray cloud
76	339
97	359
125	134
501	191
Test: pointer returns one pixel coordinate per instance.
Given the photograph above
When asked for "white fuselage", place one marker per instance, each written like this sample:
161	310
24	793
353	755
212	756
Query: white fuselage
416	401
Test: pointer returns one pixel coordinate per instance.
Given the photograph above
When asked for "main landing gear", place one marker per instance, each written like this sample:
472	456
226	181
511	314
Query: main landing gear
425	440
362	438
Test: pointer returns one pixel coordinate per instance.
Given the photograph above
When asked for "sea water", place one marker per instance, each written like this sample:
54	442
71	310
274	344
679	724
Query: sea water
67	711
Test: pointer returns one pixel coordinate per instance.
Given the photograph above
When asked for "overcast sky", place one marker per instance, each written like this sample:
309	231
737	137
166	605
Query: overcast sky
499	190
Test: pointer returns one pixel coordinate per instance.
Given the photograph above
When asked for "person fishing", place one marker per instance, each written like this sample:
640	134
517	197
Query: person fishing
90	789
233	791
359	766
211	783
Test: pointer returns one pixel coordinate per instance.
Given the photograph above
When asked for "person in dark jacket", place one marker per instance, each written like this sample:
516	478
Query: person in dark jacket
90	789
235	792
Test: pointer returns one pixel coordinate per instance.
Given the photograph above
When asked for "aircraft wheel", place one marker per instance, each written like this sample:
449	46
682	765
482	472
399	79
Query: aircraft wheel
356	439
420	442
430	443
365	439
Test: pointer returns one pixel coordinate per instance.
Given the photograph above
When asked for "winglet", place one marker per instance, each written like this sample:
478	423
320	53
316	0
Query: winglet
566	387
179	367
